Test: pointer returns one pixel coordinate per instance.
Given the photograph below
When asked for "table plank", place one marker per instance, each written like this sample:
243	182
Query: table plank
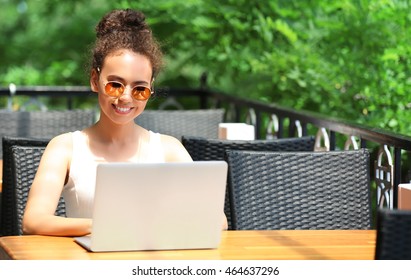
235	245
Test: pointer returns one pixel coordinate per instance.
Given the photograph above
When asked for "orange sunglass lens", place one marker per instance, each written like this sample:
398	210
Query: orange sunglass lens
114	89
141	93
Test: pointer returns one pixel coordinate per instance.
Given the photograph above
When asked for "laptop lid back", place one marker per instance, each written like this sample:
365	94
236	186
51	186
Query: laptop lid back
158	206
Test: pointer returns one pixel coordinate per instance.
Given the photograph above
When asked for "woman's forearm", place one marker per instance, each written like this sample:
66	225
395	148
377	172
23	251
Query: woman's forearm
57	226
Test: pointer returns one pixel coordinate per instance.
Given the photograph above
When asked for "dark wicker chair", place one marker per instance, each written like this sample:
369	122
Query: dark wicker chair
39	124
300	190
393	235
8	187
201	123
214	149
19	170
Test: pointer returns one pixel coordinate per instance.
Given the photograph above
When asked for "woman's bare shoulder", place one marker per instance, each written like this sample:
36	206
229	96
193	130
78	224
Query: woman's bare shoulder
62	142
168	139
62	139
174	149
56	157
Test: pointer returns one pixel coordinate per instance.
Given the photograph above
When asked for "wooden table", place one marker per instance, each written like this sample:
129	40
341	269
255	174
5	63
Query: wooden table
235	245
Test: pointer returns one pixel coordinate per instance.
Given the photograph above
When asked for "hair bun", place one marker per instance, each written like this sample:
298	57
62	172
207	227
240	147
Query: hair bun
122	21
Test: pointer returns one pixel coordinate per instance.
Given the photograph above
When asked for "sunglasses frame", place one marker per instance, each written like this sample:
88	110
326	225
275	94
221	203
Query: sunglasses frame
132	90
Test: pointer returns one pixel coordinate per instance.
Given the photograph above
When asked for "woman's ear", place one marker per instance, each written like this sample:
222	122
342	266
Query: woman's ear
94	76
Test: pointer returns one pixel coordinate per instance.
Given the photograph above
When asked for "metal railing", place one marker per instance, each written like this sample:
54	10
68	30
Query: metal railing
391	150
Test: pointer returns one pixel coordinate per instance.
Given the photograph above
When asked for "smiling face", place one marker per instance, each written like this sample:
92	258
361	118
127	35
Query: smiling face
131	70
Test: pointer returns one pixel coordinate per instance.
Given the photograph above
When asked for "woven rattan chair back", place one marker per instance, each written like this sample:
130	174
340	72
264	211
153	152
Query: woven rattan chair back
43	124
300	190
393	235
201	123
7	203
24	162
214	149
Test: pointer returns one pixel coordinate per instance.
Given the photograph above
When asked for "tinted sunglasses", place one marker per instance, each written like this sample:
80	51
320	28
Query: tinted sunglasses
116	89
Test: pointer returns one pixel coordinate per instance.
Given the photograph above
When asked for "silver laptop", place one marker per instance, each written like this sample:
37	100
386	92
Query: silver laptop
157	206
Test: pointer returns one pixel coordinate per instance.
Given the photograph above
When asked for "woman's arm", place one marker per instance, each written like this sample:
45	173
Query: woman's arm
225	222
174	149
46	190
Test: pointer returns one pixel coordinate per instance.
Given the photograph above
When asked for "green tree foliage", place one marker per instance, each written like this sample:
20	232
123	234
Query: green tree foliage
345	58
46	42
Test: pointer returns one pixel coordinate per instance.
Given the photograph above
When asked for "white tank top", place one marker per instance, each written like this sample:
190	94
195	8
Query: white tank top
78	193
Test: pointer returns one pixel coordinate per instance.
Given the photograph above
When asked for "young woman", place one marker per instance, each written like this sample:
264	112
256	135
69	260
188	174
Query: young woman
125	60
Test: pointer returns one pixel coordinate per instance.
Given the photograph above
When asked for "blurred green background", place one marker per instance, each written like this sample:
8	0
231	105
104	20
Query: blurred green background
346	58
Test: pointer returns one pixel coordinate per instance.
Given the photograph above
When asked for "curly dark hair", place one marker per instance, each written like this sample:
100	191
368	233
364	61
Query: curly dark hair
126	29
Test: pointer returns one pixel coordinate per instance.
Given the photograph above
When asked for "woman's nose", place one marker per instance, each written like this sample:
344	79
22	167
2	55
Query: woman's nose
127	94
